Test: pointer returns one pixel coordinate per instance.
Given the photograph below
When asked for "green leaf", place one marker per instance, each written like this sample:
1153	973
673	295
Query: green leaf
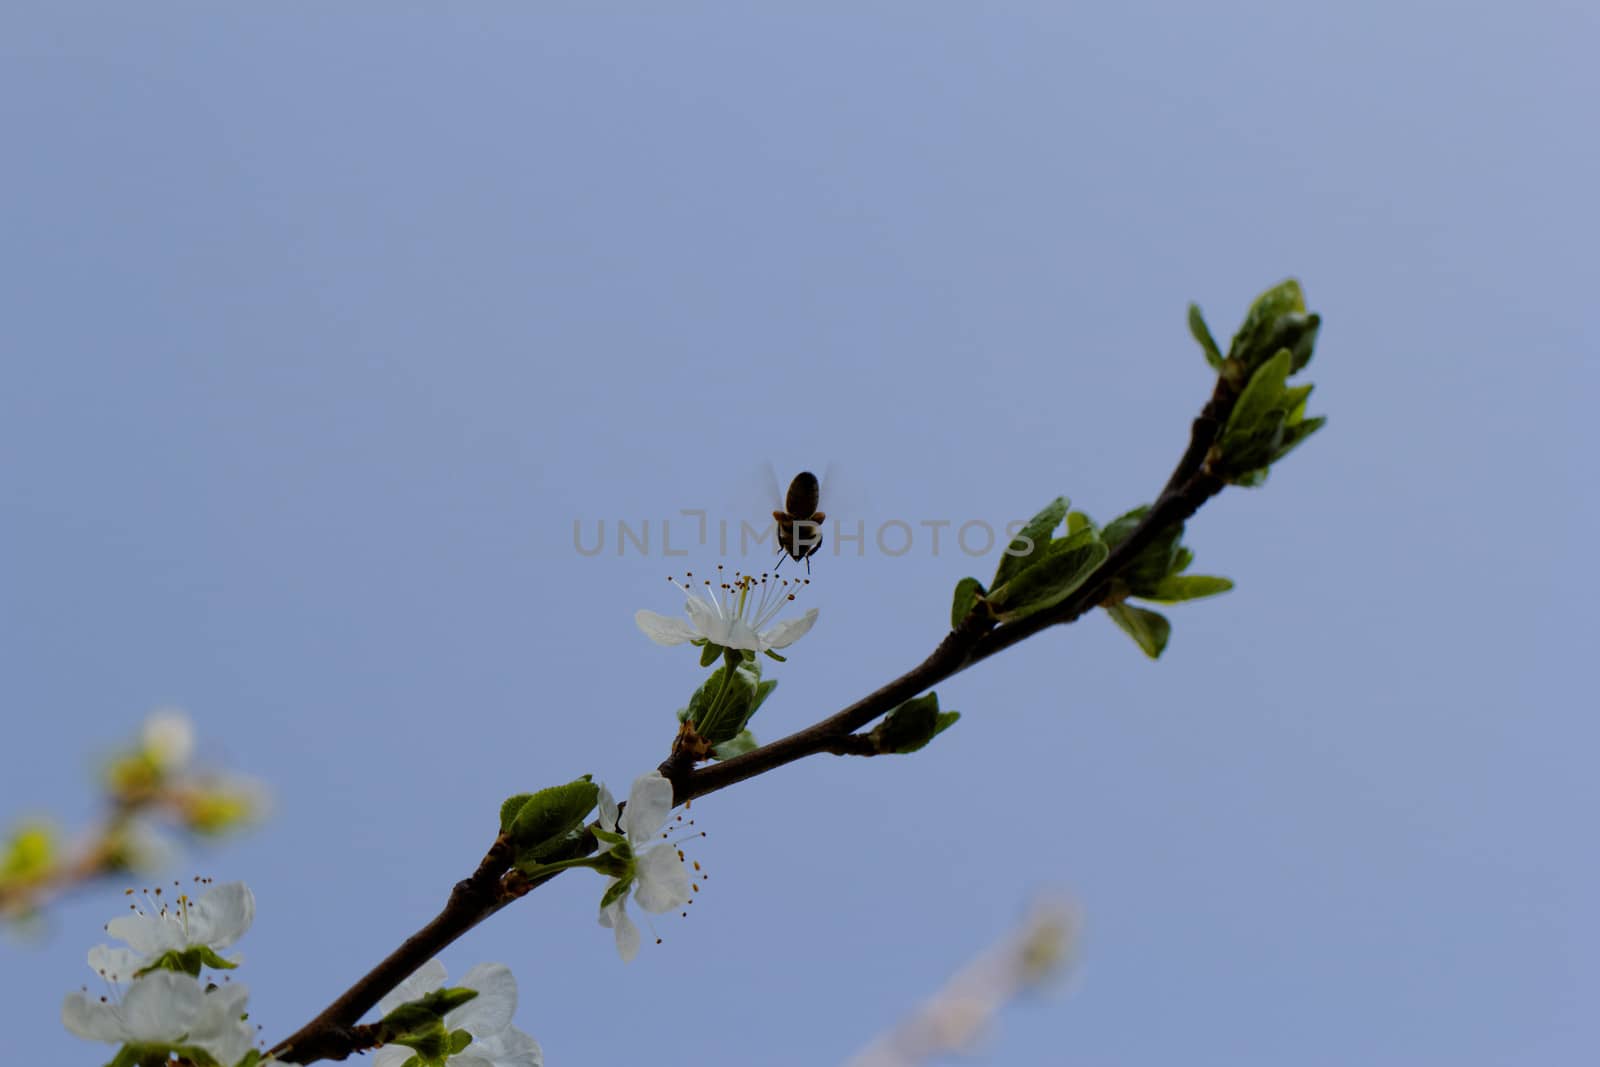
763	690
1294	402
546	818
737	746
969	591
509	808
1295	435
710	654
1254	431
1149	629
1077	520
1276	320
1155	560
725	701
1250	479
416	1017
912	725
1065	566
1120	528
615	892
1261	398
1027	546
1178	587
1202	334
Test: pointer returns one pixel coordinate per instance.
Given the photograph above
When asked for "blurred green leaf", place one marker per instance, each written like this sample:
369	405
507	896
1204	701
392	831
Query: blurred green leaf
912	725
1067	563
968	592
737	746
1179	587
1202	334
1277	319
1030	542
1149	629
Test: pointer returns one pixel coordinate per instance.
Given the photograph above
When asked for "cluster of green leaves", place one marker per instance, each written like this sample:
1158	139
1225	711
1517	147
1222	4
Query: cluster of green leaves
1063	548
721	708
1058	549
1037	571
419	1025
1269	419
547	827
1155	574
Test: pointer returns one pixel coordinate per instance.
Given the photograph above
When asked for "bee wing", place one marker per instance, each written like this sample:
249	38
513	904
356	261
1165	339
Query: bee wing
842	496
774	486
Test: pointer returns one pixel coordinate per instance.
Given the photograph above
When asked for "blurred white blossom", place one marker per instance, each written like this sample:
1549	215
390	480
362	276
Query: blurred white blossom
487	1017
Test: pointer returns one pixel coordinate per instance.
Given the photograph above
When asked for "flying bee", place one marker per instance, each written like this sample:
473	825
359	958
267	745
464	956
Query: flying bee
800	523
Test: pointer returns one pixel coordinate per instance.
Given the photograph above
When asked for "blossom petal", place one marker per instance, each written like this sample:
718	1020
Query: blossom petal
789	631
662	629
740	634
114	964
221	1028
161	1006
707	620
148	935
512	1048
649	804
222	915
425	979
663	880
392	1056
92	1019
490	1011
608	813
627	934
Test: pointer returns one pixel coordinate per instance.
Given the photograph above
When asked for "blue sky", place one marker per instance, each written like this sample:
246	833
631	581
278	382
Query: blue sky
322	325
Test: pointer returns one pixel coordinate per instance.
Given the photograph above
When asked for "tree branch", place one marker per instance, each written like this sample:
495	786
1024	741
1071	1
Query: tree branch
333	1034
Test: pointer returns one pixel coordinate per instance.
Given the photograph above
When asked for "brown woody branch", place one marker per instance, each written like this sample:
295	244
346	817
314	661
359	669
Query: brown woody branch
333	1034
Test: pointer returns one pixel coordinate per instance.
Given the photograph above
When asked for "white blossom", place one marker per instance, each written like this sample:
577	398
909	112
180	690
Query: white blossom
660	882
487	1017
165	1010
216	920
732	613
168	738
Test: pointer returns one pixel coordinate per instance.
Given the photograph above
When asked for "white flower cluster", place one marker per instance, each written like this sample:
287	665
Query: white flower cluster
162	1009
487	1017
156	1004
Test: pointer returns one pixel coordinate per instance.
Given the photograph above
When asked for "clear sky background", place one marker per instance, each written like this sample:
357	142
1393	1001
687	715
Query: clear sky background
321	324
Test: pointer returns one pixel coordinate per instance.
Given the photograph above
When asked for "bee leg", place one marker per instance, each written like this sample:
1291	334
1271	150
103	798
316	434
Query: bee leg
811	552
